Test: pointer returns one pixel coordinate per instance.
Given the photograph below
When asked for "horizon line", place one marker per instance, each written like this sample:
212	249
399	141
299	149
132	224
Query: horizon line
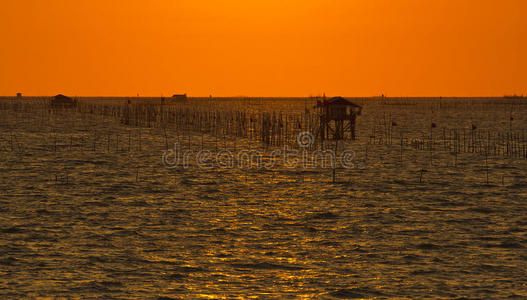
251	96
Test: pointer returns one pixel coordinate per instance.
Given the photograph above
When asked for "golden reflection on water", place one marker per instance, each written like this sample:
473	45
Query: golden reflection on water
237	234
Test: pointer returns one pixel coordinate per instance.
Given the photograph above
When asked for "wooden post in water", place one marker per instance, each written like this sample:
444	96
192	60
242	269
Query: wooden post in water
335	160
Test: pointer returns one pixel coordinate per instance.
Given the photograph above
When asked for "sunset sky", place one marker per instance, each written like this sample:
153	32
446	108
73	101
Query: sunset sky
263	47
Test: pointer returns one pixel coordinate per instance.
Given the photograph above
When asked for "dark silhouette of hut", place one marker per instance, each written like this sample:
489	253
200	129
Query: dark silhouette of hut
179	97
19	96
338	118
61	101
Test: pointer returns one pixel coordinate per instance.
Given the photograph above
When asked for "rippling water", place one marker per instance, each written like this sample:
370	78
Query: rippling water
114	223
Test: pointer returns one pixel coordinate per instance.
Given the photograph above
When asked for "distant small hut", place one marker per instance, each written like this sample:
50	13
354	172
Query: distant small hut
62	101
19	96
338	118
179	97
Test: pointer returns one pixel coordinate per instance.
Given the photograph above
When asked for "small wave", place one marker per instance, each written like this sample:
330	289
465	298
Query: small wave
506	245
139	203
329	243
482	210
14	229
324	216
186	181
309	229
43	211
125	232
176	276
218	230
40	237
355	293
493	268
110	283
488	238
424	272
428	246
412	257
99	287
359	249
189	269
96	204
224	255
267	266
8	261
98	259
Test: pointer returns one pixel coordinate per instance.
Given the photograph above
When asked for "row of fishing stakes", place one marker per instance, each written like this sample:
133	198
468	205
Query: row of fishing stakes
506	143
275	129
271	128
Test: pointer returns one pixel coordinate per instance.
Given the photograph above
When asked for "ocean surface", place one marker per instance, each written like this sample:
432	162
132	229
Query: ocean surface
89	210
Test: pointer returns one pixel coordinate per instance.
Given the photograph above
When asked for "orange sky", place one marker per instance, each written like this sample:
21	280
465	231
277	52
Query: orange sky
263	47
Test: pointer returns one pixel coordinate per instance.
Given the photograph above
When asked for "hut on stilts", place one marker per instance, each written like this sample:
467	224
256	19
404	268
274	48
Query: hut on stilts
338	118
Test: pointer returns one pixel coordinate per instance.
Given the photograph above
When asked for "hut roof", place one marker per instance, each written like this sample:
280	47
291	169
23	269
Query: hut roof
61	97
342	101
